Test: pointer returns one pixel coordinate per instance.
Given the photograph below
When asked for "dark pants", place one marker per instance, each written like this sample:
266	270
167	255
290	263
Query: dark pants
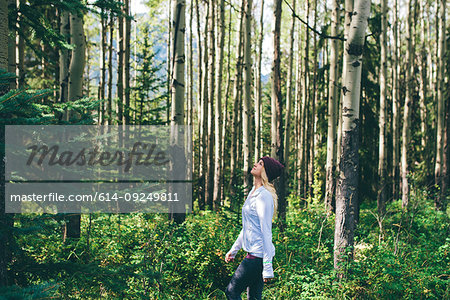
247	275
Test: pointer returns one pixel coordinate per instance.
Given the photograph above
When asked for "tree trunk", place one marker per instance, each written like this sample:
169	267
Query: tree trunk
169	61
211	77
289	96
304	112
201	171
381	199
177	88
204	134
332	104
218	108
12	46
226	113
439	177
5	219
298	107
423	80
277	122
395	105
246	109
312	114
77	61
103	68
21	50
120	69
236	96
347	195
406	130
64	59
76	68
258	86
110	69
126	63
190	115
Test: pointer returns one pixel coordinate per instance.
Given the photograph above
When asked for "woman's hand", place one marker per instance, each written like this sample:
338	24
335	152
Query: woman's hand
268	280
228	257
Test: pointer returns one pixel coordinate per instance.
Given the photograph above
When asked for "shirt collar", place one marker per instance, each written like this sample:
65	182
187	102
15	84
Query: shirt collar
257	191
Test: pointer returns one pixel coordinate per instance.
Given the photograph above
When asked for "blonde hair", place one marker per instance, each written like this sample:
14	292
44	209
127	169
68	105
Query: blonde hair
269	186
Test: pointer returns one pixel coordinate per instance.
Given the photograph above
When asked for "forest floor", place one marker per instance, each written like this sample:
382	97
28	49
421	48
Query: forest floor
143	256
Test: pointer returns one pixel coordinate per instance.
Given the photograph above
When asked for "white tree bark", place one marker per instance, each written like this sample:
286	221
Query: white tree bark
347	195
441	89
381	199
406	129
77	61
332	104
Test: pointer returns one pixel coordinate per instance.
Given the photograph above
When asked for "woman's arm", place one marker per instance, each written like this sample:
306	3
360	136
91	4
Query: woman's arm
237	244
264	209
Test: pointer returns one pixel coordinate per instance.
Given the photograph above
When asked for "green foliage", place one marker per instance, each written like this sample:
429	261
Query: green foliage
150	92
136	256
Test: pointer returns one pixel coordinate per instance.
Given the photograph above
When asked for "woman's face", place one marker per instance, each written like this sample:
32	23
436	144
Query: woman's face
257	168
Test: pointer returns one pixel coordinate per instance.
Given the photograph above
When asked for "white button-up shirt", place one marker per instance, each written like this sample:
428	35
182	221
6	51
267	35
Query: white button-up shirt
256	234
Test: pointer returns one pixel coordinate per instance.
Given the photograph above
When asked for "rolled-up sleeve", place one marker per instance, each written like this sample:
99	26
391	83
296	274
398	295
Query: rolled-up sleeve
265	209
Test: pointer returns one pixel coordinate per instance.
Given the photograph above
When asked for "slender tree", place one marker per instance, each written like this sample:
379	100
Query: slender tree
75	88
209	180
289	98
439	176
258	86
395	104
64	58
406	128
236	96
178	86
126	62
12	43
347	192
4	218
102	84
332	103
110	69
246	107
277	122
382	180
201	193
218	154
120	68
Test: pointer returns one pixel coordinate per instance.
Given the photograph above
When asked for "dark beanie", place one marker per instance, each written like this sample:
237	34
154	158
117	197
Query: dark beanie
273	167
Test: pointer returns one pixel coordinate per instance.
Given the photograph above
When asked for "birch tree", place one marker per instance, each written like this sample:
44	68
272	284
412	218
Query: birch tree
258	86
395	104
381	199
5	220
218	107
246	124
120	68
126	62
406	128
178	87
439	175
347	193
332	103
289	97
209	180
236	96
64	58
276	119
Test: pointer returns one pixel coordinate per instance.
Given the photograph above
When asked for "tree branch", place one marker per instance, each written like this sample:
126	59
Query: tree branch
313	29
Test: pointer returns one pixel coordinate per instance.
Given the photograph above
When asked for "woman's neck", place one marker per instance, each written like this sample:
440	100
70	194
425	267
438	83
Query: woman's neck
257	182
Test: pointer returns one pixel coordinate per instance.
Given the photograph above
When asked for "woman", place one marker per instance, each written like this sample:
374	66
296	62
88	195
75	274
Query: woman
256	234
